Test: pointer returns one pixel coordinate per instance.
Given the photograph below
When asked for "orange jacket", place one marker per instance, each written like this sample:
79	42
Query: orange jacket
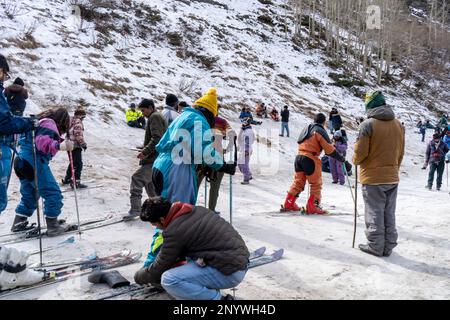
313	140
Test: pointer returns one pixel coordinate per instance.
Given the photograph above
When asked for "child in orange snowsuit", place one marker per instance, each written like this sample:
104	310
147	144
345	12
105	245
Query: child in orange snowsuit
308	166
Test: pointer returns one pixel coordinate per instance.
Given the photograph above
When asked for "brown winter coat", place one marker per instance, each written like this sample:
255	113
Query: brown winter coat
196	232
380	147
154	130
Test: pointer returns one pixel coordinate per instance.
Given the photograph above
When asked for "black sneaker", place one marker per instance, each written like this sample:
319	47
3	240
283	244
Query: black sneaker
65	182
227	297
79	185
367	249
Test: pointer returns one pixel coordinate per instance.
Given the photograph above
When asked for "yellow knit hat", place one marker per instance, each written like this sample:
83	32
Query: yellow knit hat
209	102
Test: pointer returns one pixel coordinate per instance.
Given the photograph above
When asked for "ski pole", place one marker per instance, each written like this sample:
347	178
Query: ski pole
231	181
206	190
36	193
16	142
356	206
348	180
74	183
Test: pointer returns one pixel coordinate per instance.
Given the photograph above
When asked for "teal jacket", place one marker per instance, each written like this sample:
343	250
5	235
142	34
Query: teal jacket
188	142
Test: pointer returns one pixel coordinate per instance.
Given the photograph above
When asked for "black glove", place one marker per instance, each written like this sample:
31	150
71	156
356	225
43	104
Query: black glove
337	156
84	146
228	168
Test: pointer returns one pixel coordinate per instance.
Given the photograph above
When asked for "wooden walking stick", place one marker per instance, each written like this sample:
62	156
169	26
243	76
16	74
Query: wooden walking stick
356	206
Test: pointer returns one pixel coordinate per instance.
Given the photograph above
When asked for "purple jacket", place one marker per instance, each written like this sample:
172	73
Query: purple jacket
341	147
48	138
436	152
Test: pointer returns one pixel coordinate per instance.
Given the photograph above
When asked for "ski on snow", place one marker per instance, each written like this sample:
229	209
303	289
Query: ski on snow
60	274
257	258
43	228
34	234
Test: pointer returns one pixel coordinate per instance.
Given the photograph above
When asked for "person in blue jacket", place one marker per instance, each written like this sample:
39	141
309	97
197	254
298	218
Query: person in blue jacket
9	125
188	142
446	140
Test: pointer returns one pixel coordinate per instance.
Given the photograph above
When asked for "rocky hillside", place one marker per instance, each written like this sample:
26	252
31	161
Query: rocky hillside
104	55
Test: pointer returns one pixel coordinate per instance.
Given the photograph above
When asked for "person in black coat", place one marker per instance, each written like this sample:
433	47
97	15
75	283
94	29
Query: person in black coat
16	95
216	257
335	120
285	121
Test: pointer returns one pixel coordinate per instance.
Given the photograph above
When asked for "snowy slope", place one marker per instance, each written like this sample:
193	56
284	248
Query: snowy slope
319	262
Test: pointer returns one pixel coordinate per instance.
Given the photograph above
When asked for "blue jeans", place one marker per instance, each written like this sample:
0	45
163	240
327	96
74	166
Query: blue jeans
48	189
192	282
285	125
5	166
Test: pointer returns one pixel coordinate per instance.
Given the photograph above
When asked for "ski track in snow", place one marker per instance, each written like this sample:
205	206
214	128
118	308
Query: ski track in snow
318	262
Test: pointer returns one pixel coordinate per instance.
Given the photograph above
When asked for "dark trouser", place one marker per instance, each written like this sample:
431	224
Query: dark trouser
380	203
77	165
439	167
214	189
423	137
141	179
139	123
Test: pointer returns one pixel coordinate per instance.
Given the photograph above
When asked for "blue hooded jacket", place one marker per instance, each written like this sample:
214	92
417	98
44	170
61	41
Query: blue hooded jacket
187	142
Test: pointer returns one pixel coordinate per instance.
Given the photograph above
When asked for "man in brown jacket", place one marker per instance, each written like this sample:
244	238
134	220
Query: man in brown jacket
216	254
379	151
142	178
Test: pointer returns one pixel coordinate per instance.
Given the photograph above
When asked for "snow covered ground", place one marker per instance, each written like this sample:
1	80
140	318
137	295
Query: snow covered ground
319	262
255	61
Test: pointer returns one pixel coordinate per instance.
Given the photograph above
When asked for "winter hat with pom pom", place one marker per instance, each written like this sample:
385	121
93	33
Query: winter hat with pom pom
209	102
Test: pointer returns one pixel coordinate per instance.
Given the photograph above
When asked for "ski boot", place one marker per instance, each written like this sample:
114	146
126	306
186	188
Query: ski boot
313	206
289	204
14	272
21	224
57	227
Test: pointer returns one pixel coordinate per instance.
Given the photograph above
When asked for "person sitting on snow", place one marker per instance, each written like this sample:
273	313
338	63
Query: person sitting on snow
52	124
135	118
14	272
216	255
274	114
261	110
435	157
308	166
337	171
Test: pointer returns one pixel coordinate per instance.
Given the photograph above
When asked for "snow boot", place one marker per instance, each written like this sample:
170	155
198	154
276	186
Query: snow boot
21	224
289	203
79	185
245	182
367	249
14	272
65	182
131	215
227	297
313	206
57	227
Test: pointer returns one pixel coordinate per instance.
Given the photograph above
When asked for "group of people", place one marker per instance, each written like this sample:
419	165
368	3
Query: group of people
440	128
261	111
194	253
379	170
27	145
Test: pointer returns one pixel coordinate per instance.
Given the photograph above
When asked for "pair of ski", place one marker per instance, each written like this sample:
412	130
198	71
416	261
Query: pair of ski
137	292
59	273
18	237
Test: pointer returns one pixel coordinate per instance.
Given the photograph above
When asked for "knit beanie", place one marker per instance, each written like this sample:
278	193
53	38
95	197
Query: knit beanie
19	82
171	100
209	102
374	100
